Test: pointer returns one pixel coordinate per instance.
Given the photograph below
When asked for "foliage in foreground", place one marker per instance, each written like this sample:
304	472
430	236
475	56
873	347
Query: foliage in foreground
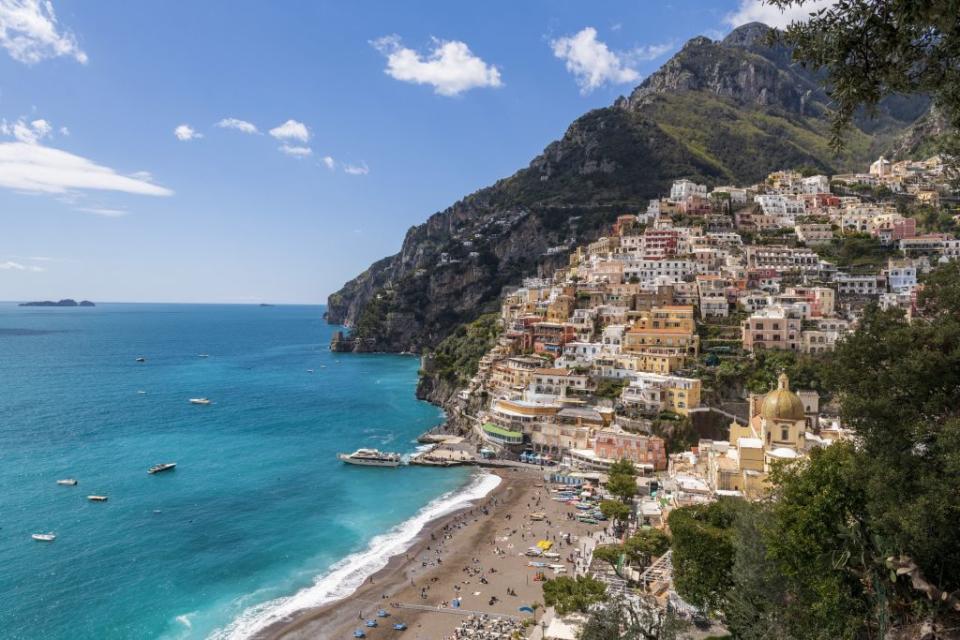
568	594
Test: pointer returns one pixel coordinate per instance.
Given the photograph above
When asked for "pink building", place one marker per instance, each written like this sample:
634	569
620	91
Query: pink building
641	449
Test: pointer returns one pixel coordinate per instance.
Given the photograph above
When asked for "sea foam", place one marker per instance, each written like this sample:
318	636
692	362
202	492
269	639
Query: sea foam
344	577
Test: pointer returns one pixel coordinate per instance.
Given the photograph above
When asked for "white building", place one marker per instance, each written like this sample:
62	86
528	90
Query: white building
683	189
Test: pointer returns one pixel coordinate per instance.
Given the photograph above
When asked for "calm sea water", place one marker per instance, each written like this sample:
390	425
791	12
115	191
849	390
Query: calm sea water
258	508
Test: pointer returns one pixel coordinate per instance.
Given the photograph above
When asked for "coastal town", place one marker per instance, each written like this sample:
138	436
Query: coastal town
615	363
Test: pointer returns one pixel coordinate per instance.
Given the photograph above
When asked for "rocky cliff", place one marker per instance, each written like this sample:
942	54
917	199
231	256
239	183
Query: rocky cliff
718	112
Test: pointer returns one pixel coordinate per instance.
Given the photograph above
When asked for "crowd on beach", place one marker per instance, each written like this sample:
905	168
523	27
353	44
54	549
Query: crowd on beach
484	627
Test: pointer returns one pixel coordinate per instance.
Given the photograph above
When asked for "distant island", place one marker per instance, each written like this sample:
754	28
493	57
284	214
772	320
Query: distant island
66	302
264	304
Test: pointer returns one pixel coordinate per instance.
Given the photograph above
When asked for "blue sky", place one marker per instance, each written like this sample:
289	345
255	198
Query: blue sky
117	184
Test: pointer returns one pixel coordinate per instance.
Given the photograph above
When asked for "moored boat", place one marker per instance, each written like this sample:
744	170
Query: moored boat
44	537
370	458
165	466
97	498
68	482
200	401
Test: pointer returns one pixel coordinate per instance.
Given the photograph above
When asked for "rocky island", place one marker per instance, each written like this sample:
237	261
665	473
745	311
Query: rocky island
66	302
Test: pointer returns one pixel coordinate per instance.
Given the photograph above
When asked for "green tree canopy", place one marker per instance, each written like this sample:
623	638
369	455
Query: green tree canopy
871	49
568	594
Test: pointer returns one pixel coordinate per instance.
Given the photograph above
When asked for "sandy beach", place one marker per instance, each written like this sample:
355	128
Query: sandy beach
475	555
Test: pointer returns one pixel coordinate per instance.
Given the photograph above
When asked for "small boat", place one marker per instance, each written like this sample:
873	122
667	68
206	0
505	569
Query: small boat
44	537
141	359
200	401
359	633
141	392
157	468
399	626
382	613
370	458
203	355
371	623
309	370
68	482
97	498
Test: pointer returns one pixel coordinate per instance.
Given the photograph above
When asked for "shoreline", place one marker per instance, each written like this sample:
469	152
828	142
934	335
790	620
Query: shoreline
331	586
468	561
368	595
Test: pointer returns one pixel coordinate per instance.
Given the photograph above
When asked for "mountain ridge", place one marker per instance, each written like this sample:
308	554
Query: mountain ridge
716	112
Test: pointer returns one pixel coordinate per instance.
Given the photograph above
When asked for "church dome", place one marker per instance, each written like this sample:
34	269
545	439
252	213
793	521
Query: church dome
781	403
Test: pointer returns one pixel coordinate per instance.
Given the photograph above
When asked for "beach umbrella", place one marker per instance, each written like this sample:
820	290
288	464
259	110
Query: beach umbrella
359	634
371	623
399	627
382	613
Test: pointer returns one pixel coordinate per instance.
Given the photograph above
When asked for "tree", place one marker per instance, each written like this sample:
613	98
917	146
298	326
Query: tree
624	620
646	544
703	551
816	538
622	486
568	594
615	511
623	467
870	50
612	554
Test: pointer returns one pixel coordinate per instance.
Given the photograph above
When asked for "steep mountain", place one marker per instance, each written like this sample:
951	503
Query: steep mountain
718	112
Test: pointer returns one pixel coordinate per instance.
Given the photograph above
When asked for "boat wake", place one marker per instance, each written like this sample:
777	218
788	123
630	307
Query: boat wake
344	577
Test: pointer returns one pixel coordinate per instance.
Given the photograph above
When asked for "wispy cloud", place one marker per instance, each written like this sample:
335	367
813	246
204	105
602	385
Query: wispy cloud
240	125
356	169
106	212
771	15
30	33
39	169
10	265
185	132
449	67
296	152
329	162
594	64
291	130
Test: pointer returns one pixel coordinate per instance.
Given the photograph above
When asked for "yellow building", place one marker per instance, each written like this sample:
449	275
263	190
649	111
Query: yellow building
775	432
666	328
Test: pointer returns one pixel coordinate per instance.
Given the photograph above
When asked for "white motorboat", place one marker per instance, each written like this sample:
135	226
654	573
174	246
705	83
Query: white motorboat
44	537
200	401
157	468
68	482
370	458
97	498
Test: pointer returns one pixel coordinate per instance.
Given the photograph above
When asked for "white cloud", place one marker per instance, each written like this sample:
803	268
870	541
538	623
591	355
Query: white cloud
146	176
328	162
185	132
10	265
29	132
591	62
296	152
240	125
648	52
291	130
772	16
29	32
104	211
356	169
39	169
450	67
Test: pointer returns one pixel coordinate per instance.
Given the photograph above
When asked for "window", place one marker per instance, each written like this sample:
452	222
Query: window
784	434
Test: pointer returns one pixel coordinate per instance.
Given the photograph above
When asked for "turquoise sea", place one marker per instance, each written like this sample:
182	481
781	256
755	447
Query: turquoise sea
258	516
